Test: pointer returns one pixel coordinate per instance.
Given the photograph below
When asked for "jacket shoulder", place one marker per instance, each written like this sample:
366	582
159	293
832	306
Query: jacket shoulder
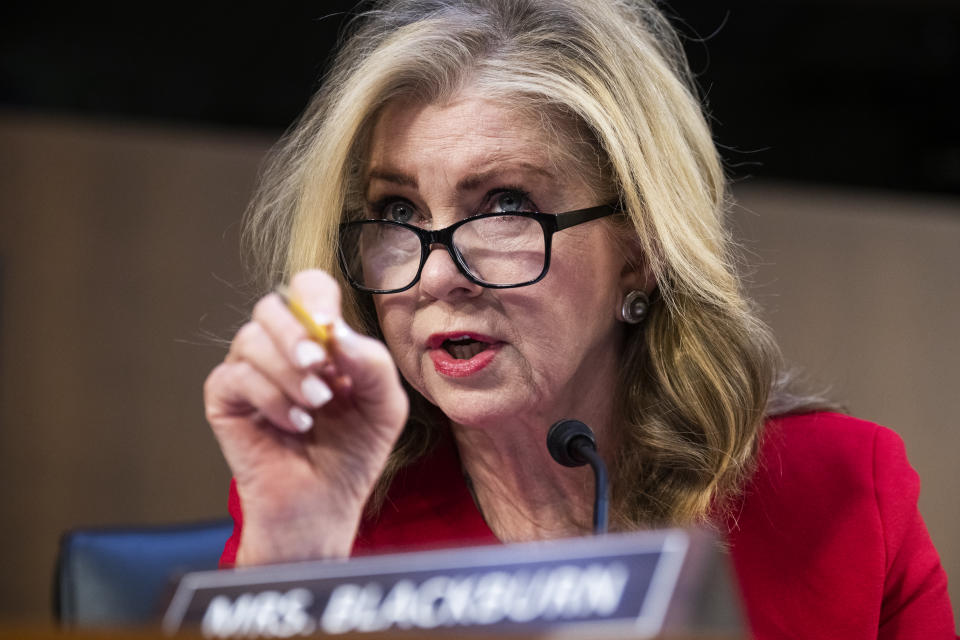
809	531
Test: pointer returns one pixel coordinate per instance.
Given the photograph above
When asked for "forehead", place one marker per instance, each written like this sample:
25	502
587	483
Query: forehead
465	126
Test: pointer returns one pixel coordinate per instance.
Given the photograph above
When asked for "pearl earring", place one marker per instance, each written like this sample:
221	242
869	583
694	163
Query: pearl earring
635	306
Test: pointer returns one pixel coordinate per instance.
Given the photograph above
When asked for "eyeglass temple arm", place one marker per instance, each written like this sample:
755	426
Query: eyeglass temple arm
573	218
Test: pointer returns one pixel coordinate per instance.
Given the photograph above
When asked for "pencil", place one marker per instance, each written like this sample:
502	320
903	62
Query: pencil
322	333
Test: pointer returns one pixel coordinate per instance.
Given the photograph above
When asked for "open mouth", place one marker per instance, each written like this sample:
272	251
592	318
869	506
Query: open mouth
461	354
464	348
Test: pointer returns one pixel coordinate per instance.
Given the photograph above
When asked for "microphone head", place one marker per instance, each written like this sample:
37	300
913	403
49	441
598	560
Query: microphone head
563	442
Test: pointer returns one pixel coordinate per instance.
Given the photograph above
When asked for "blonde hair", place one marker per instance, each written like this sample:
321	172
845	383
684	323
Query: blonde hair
697	376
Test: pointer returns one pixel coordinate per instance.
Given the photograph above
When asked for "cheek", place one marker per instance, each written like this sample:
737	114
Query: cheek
586	281
570	315
395	315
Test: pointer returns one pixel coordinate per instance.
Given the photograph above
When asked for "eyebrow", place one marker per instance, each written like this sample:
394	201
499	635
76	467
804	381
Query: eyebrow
395	177
474	180
467	183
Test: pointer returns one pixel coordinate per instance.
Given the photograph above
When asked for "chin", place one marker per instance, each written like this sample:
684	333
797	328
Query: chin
483	401
479	409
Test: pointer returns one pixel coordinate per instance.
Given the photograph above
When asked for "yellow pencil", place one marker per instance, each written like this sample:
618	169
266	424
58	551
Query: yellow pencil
322	333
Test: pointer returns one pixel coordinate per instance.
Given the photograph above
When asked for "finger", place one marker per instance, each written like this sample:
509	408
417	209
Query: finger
317	295
368	365
374	381
287	334
237	388
253	345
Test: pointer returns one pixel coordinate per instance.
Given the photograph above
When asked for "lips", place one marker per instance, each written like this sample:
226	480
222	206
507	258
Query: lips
460	354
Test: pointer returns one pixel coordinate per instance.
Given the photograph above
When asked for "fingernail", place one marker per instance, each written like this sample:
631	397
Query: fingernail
300	419
345	336
321	318
309	353
315	391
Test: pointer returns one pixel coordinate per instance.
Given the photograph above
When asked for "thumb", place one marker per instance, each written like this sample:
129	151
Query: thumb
373	374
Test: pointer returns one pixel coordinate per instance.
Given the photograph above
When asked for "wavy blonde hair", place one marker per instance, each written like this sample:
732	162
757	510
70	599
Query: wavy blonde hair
611	75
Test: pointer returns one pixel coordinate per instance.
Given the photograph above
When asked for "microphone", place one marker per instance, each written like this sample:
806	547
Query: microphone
572	444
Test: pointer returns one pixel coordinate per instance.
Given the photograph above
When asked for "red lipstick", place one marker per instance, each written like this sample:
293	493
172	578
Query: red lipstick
458	354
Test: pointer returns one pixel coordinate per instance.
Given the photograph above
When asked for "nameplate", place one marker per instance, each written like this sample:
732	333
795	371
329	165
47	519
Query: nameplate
628	585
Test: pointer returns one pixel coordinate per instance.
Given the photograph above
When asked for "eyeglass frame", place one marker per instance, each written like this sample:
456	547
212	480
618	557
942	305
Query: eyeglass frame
551	223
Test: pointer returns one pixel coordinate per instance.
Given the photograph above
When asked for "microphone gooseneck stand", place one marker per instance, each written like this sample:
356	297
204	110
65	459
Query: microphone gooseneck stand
572	444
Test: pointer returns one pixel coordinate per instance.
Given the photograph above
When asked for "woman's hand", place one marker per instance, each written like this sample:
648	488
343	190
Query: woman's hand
306	432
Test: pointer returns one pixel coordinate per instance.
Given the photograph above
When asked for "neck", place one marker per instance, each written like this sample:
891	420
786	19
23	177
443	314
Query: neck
522	492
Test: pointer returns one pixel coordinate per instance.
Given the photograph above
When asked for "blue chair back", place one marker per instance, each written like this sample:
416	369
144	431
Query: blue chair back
117	576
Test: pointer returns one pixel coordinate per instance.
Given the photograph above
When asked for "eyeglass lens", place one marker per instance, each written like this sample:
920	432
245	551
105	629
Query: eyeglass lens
498	250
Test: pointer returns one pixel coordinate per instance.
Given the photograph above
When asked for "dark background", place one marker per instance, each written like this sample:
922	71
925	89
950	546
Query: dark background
860	93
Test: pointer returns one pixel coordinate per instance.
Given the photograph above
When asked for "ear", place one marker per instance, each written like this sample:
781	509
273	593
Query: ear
636	273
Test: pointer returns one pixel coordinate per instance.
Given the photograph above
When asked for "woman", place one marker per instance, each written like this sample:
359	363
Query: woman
466	322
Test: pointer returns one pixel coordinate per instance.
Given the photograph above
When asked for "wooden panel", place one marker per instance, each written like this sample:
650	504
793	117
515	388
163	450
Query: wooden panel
121	261
863	292
440	634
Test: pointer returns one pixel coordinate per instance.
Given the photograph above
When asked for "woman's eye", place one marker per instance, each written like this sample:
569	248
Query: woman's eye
510	202
398	211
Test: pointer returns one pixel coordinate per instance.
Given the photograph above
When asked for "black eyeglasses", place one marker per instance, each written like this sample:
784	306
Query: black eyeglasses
495	250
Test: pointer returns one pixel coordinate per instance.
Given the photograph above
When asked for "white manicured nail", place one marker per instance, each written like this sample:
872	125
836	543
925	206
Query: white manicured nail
315	391
346	337
321	318
309	353
300	419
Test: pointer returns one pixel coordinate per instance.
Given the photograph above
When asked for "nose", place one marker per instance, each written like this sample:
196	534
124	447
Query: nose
442	279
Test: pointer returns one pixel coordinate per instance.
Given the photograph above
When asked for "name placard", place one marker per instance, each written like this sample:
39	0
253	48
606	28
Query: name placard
629	585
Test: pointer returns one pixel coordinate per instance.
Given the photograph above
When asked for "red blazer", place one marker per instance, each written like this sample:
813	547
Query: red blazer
826	541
